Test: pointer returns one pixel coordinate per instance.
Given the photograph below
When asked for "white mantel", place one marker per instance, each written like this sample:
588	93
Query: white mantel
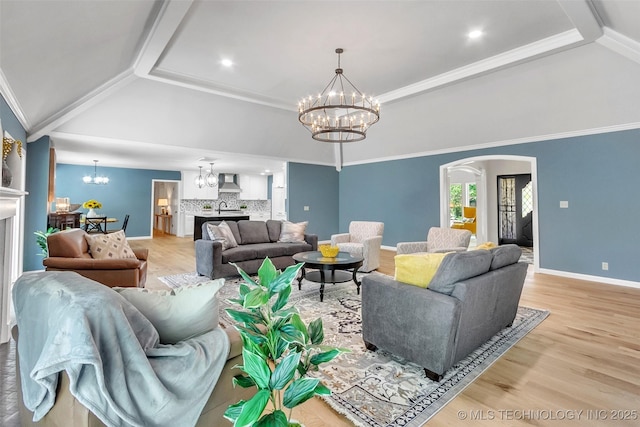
11	251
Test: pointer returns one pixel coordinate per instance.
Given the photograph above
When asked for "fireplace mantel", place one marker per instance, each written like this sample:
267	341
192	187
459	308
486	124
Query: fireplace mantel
11	248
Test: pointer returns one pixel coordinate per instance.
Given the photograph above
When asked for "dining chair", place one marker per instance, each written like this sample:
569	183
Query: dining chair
96	225
124	224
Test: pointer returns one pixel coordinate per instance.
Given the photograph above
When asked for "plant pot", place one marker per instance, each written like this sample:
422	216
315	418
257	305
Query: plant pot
92	213
7	176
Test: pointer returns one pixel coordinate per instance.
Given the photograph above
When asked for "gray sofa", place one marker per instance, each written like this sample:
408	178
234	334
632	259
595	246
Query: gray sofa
472	296
256	241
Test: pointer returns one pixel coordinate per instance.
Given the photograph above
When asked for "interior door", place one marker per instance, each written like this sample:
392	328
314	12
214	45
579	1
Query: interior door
515	210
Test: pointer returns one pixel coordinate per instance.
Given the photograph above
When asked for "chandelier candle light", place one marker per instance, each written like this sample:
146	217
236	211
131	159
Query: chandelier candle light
339	113
95	179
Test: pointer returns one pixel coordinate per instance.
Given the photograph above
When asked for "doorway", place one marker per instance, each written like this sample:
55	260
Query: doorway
515	210
165	204
489	168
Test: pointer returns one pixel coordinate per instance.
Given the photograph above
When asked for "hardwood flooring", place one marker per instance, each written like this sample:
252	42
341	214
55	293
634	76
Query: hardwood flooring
580	367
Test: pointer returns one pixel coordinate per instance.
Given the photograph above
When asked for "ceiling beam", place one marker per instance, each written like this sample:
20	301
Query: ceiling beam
583	17
511	57
164	27
72	110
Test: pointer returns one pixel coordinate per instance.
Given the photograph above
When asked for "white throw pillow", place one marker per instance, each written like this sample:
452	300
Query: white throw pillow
178	314
109	246
292	232
223	234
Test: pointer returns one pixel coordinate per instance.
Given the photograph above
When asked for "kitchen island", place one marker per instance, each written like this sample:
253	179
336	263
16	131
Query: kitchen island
198	220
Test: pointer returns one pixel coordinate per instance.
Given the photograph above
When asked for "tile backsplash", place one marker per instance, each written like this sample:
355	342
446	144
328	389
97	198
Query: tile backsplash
232	201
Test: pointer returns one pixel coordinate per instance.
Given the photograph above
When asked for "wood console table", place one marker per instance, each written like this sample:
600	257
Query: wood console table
62	221
166	223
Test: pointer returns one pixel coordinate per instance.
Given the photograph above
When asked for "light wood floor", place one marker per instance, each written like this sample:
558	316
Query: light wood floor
584	357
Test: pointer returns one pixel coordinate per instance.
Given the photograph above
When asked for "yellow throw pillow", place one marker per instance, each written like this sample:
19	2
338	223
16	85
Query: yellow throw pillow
486	245
417	269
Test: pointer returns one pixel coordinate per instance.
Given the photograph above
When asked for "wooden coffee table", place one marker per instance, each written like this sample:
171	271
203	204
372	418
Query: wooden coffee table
329	270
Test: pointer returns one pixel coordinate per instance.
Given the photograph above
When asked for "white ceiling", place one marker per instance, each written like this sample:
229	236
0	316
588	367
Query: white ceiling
140	84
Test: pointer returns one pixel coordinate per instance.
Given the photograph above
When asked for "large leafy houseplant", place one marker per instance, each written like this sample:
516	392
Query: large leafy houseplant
279	349
41	240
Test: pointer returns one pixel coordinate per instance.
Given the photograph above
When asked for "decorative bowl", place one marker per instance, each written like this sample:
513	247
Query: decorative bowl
328	251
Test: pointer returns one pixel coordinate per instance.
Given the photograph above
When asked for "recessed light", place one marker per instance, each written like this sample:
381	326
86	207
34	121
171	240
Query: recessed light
475	34
226	62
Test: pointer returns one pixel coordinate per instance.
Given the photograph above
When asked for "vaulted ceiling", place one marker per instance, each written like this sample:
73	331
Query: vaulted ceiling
140	83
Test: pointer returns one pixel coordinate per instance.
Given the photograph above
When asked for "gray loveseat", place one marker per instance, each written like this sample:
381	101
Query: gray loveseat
256	241
472	296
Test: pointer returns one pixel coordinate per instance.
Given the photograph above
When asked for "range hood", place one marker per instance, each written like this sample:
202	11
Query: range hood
229	186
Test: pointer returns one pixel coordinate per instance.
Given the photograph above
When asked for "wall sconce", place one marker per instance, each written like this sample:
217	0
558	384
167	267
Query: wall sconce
163	203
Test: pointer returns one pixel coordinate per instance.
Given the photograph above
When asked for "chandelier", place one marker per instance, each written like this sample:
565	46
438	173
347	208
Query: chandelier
340	113
210	179
200	179
95	179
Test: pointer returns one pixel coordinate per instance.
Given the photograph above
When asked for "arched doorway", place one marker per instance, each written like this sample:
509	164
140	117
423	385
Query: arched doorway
486	169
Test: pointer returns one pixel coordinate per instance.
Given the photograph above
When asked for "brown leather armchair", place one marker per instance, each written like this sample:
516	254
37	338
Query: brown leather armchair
69	251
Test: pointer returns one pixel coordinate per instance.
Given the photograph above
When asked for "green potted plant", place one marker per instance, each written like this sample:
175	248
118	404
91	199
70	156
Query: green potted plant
278	349
41	239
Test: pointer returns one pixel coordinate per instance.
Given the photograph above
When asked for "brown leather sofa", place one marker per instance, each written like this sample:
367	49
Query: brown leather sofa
69	251
67	411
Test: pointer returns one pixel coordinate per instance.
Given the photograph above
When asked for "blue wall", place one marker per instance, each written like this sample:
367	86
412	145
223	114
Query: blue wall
128	192
317	187
37	185
597	174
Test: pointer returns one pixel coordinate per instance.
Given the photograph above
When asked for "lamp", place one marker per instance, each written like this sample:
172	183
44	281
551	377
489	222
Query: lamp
95	179
163	203
200	179
339	113
62	204
211	179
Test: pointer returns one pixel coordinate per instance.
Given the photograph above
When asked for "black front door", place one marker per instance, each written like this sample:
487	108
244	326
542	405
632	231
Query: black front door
515	210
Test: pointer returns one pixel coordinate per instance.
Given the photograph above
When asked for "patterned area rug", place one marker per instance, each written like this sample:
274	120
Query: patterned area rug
176	280
377	389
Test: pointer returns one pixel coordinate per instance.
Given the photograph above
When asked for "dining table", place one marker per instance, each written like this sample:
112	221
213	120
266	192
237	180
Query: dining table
97	224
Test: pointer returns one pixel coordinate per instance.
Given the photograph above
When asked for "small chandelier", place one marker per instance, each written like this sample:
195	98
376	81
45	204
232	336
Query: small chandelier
339	113
200	182
211	179
95	179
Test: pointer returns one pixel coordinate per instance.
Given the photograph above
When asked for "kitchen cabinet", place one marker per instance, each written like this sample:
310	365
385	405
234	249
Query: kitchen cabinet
259	216
254	187
191	191
188	224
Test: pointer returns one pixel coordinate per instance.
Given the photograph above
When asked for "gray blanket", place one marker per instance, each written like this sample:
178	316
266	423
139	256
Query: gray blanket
111	353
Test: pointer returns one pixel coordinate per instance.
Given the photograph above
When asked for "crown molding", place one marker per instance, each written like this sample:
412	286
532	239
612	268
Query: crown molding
510	57
90	99
12	100
620	44
506	142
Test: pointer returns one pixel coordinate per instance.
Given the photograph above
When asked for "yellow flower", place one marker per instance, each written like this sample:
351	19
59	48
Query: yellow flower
92	204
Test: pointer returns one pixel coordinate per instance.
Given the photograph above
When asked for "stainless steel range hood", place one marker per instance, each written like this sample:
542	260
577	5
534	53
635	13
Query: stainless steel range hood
229	186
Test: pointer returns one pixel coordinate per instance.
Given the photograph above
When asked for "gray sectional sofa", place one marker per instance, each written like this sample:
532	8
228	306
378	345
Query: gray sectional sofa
256	241
472	296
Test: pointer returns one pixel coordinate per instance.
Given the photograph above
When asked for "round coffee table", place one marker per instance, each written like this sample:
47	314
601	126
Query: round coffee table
334	267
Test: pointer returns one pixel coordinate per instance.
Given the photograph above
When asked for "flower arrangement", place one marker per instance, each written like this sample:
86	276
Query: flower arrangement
92	204
7	146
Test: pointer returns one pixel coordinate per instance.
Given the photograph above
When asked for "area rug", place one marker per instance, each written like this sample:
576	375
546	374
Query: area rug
174	281
377	389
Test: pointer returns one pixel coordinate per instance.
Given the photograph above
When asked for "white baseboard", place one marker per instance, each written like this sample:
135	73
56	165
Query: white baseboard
139	238
589	278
